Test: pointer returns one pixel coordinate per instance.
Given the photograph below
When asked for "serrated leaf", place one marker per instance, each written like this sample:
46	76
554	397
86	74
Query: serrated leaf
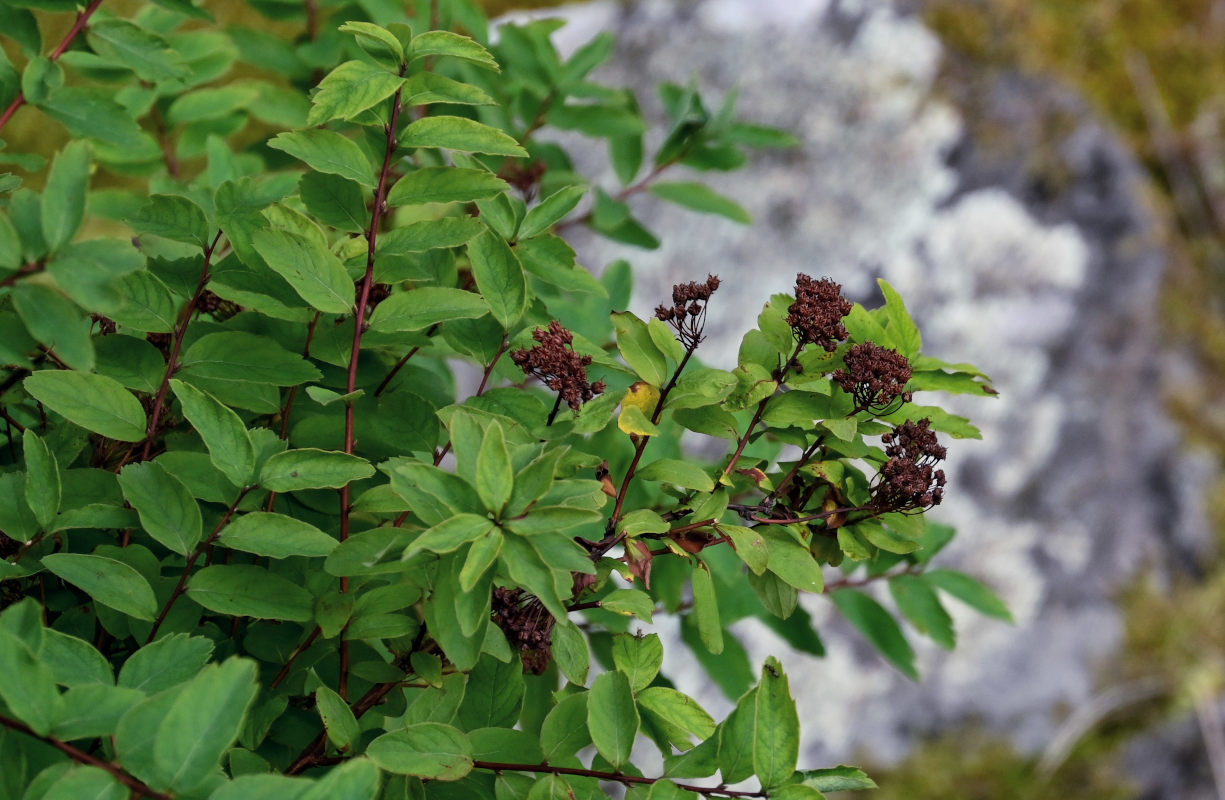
168	511
420	308
445	43
334	201
172	217
327	151
433	234
549	211
350	89
445	185
313	271
460	133
427	750
639	657
43	488
224	434
63	198
499	276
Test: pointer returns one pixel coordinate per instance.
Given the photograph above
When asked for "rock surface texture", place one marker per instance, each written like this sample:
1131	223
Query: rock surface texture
1017	230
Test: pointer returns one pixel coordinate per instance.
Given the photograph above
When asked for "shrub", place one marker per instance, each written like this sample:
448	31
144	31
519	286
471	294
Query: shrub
262	535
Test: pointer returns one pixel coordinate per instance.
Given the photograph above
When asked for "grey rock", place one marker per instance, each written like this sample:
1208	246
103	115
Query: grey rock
1048	285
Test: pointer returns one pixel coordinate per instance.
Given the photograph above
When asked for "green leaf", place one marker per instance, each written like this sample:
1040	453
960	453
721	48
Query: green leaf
550	210
837	779
63	199
970	592
450	535
481	556
638	349
53	320
42	478
223	432
612	717
445	43
28	688
167	662
681	473
123	44
79	782
445	185
495	475
349	90
777	596
204	722
73	661
749	545
41	77
878	627
92	114
639	657
629	602
244	357
499	276
309	468
792	562
494	696
418	309
334	201
737	736
327	151
901	327
172	217
426	235
706	608
917	601
426	88
338	719
111	583
313	271
275	536
700	197
776	727
376	40
570	652
564	731
355	779
167	510
245	590
676	712
460	133
428	750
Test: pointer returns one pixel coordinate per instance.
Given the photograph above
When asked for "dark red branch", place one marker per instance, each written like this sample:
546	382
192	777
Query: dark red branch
613	777
73	32
81	757
180	331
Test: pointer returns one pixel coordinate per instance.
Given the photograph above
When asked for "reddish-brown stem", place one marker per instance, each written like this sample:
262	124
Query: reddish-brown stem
181	586
612	777
81	757
441	454
359	326
804	459
25	269
302	648
779	375
180	331
810	517
641	445
621	196
73	32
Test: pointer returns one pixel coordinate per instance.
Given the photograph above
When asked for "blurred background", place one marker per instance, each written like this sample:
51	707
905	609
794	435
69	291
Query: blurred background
1044	182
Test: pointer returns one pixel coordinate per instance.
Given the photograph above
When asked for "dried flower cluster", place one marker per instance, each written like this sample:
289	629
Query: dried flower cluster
687	314
875	376
909	480
816	315
527	625
558	367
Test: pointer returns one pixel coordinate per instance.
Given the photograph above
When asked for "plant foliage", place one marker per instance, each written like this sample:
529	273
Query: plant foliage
263	535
